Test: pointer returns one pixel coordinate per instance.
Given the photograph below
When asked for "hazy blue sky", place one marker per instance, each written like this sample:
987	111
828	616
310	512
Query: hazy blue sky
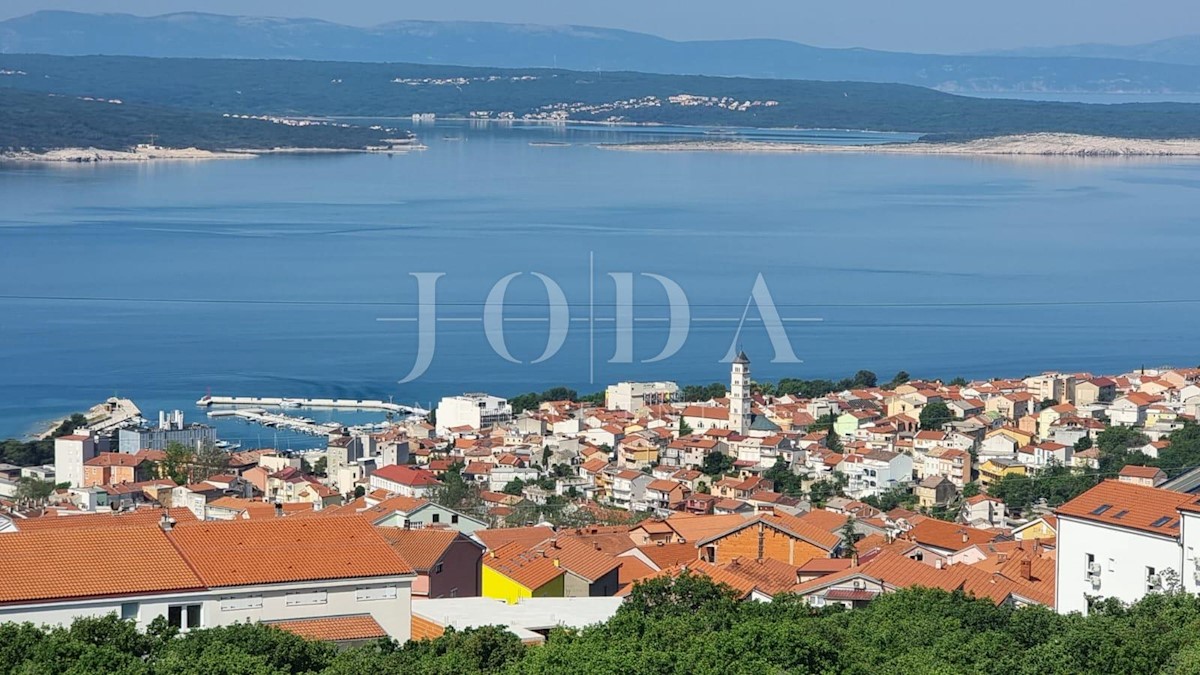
912	25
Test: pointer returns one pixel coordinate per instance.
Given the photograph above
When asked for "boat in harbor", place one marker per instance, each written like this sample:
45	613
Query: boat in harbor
290	403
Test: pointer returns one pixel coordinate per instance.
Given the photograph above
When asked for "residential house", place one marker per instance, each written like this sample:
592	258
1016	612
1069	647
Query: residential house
589	571
1095	390
408	481
982	511
206	574
628	489
1130	410
514	571
996	468
934	490
1123	540
665	496
448	563
780	537
1149	476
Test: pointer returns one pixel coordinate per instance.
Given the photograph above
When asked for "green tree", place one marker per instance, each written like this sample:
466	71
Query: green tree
934	416
849	545
177	462
970	490
716	464
685	429
899	379
514	487
32	490
821	491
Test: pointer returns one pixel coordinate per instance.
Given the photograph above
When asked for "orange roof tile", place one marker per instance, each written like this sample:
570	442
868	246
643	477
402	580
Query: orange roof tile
826	520
787	524
1130	505
769	576
531	569
947	536
138	518
669	555
420	548
580	558
89	562
334	628
528	537
241	552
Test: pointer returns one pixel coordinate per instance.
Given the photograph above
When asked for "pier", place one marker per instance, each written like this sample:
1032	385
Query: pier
280	421
331	403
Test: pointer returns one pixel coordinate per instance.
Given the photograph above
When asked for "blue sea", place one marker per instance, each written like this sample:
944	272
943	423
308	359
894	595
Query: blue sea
292	275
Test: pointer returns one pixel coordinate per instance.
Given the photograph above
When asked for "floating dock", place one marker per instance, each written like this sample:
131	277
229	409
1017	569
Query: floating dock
280	421
332	403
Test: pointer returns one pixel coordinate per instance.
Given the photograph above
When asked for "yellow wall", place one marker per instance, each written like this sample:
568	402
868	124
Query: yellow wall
1039	531
500	587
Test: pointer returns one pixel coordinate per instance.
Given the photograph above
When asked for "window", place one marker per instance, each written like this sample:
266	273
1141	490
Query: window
300	599
454	518
437	569
454	592
129	611
184	616
437	517
1152	583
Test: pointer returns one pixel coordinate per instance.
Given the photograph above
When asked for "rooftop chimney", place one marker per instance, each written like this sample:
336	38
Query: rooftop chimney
1027	569
167	523
278	509
937	564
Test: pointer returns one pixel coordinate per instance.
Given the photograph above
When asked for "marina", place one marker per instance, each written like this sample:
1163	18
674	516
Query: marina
331	403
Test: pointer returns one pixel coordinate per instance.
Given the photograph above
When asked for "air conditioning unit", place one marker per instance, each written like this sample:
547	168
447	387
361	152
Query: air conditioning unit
1094	569
1094	580
859	583
1154	582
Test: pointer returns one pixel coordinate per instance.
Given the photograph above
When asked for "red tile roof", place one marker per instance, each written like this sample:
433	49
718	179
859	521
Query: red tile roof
1130	505
530	569
407	475
420	548
90	562
242	552
138	518
528	537
334	628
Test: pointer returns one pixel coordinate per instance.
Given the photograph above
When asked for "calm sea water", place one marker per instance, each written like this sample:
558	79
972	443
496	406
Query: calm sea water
270	276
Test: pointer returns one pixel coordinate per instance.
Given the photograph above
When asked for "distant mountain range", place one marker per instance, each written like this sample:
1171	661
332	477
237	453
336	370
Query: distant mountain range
1183	50
586	49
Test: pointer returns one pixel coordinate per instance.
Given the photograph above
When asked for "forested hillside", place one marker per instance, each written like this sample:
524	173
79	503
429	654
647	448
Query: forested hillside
383	90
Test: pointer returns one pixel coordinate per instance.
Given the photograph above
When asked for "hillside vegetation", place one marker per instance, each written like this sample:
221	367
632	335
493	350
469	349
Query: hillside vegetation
38	121
683	626
383	90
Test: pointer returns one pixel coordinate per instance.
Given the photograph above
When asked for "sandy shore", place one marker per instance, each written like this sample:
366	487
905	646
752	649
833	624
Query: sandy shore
145	154
95	155
1048	145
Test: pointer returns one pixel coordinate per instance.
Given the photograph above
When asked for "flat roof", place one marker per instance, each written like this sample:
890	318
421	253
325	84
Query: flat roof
523	619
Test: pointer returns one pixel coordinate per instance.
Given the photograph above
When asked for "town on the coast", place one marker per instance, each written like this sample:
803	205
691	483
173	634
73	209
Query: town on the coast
547	510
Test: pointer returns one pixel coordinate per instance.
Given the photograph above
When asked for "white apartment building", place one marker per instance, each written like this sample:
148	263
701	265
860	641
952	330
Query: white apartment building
70	452
633	396
1121	540
875	472
472	410
205	574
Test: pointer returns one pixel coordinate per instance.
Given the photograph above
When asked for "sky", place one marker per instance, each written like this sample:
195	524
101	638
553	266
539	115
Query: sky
948	26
